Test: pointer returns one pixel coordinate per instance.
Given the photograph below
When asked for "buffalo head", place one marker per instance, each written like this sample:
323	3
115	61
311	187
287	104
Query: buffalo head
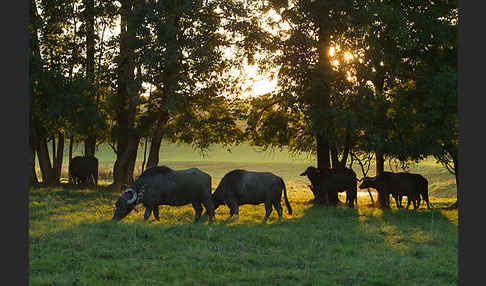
218	197
311	172
126	203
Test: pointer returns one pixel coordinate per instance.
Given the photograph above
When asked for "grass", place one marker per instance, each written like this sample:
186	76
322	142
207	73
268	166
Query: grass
72	240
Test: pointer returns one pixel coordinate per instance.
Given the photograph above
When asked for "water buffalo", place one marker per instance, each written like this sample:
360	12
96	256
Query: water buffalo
239	187
163	186
83	169
421	187
327	183
396	184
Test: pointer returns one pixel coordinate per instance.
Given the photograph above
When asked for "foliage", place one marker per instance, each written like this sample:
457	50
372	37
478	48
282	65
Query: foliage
383	49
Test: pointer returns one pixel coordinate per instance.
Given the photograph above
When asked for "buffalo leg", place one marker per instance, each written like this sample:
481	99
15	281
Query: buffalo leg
148	211
426	199
350	198
155	211
198	208
278	206
268	209
209	205
418	200
411	199
233	205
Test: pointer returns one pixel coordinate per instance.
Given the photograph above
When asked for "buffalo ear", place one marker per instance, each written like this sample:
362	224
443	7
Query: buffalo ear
303	174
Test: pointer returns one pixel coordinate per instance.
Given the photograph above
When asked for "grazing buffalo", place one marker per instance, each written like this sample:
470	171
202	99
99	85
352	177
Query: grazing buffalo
83	169
421	187
240	187
163	186
327	183
396	184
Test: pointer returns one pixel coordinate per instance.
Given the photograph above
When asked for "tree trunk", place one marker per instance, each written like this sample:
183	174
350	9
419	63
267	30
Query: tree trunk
456	174
128	140
125	162
48	174
90	142
320	86
33	178
144	154
39	143
383	199
347	147
322	152
378	82
90	145
71	143
57	162
334	157
156	140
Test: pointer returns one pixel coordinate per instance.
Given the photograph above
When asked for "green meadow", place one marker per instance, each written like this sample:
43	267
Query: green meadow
72	240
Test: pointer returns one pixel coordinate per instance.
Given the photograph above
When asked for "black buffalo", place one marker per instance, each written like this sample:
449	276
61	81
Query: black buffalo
395	184
327	183
83	169
421	188
240	187
163	186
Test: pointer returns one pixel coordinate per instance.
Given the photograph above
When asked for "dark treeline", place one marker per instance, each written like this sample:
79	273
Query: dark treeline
132	71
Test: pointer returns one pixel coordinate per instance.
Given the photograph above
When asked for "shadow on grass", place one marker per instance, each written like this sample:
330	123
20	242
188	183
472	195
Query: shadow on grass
46	201
319	246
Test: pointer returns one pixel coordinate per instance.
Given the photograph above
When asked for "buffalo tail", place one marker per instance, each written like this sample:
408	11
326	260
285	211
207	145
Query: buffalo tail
289	208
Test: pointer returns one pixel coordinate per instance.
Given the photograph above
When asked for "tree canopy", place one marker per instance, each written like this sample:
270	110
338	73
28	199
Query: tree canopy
354	77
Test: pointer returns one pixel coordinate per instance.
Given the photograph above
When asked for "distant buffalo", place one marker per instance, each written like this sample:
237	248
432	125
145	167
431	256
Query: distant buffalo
396	184
421	187
163	186
83	169
240	187
327	183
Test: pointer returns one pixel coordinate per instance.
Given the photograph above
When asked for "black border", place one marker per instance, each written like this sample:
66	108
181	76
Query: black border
471	147
14	116
15	139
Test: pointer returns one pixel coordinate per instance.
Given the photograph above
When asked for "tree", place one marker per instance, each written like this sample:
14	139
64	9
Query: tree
176	47
394	44
303	113
58	87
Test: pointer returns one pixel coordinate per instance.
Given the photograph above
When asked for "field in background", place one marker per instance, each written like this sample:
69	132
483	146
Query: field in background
218	161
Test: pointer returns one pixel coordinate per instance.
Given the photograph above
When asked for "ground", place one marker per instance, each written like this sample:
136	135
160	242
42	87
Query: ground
72	240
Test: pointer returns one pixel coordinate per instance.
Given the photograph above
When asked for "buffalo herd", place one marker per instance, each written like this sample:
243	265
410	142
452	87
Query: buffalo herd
163	186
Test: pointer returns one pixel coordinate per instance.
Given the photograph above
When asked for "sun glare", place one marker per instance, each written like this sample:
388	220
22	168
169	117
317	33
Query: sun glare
332	51
257	84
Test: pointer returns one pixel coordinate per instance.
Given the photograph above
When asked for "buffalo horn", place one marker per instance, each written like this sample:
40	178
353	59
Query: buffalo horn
131	201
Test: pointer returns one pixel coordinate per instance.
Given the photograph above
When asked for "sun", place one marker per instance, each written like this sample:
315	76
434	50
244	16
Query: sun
257	84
